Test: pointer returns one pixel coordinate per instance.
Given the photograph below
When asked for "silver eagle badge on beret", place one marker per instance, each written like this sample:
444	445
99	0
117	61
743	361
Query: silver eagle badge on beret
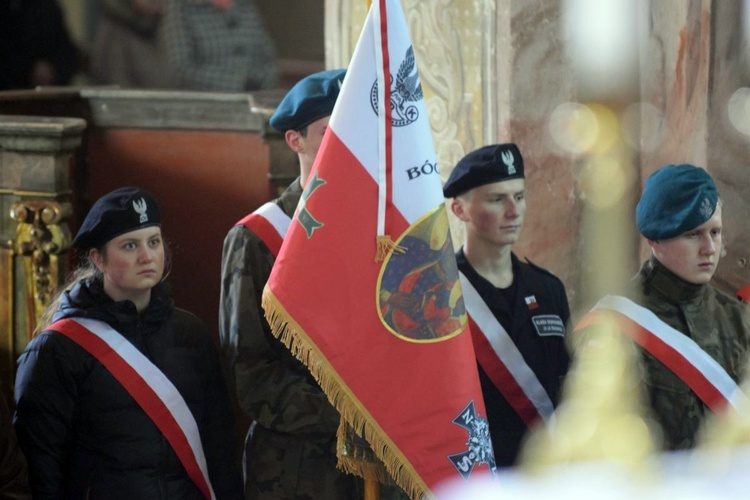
140	207
706	209
509	161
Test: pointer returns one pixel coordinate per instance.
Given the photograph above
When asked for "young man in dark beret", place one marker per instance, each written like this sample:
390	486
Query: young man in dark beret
670	302
520	311
291	448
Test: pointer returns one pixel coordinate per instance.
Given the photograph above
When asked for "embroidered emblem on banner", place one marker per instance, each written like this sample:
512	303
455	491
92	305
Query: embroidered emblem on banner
404	90
419	292
479	444
140	207
304	217
549	325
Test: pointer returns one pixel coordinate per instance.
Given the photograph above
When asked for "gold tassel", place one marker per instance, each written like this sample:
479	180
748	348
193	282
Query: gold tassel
385	246
352	412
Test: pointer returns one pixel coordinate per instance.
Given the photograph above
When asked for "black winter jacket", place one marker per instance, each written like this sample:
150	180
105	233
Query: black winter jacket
84	436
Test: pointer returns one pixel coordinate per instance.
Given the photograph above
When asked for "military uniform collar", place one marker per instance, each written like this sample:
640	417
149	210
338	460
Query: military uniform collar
664	281
289	199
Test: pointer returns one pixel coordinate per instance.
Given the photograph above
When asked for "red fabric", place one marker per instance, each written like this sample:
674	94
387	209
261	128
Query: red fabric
391	337
744	294
223	4
264	230
672	359
502	378
411	390
387	98
139	388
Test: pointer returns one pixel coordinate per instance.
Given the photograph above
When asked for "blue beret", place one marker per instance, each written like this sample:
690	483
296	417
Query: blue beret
312	98
120	211
499	162
675	199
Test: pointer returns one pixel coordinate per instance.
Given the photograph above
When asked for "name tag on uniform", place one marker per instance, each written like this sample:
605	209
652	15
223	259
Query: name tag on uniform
549	325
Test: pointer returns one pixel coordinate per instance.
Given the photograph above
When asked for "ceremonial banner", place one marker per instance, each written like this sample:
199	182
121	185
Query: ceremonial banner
365	290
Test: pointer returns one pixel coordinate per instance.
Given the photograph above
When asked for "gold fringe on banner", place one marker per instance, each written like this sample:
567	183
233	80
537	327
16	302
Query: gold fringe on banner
356	457
352	412
386	245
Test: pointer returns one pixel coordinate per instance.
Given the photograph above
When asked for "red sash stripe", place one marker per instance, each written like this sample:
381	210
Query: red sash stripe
264	230
502	378
705	377
143	394
503	363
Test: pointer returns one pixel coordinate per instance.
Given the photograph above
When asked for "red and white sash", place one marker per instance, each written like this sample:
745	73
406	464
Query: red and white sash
678	352
150	388
503	362
270	224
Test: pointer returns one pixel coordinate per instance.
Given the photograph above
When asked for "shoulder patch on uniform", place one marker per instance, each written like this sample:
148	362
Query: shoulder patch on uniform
548	325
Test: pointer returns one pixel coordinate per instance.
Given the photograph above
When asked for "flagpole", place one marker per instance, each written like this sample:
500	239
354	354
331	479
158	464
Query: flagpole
372	487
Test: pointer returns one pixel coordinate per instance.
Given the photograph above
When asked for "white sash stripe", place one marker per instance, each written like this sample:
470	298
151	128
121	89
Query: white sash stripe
276	216
681	343
161	385
506	349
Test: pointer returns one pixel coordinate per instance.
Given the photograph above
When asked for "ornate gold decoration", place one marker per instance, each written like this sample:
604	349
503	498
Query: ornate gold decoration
41	237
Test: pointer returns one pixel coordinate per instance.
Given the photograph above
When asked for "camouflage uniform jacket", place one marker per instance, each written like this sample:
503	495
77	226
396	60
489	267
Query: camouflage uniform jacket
719	324
291	453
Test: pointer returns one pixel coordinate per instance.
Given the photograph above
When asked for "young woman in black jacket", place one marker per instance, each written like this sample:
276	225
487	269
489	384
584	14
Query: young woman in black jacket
121	395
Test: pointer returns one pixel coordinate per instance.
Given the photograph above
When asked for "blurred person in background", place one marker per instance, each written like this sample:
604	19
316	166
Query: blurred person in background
35	48
218	45
126	49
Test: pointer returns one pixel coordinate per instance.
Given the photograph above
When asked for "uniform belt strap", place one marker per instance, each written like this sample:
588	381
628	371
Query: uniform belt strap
150	388
678	352
503	363
270	224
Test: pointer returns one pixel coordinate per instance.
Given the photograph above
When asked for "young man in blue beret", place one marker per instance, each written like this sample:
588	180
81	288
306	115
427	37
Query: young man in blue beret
519	310
670	302
291	448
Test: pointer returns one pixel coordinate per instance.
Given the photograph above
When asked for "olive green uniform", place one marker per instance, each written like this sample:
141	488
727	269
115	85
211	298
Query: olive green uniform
719	324
292	450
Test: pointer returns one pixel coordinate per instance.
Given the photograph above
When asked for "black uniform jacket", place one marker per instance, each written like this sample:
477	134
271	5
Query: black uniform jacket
537	293
84	436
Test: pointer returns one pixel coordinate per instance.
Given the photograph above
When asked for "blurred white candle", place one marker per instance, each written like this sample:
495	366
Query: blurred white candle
603	40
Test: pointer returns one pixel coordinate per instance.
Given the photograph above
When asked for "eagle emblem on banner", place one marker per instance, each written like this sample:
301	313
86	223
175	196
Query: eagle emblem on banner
404	90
